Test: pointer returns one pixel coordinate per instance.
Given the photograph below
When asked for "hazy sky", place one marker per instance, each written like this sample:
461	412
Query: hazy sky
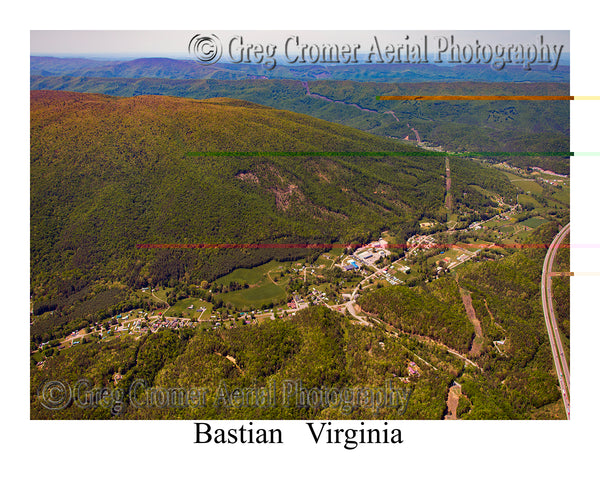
143	43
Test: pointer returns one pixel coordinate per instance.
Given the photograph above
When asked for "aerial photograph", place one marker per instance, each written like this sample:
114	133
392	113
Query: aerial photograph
299	225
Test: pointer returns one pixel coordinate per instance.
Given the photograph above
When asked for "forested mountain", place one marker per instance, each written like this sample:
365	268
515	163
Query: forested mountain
109	173
480	126
317	349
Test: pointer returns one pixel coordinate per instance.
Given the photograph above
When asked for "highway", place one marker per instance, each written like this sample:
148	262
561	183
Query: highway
560	361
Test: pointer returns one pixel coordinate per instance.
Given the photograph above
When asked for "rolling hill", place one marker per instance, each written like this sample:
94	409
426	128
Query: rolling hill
316	349
108	173
482	126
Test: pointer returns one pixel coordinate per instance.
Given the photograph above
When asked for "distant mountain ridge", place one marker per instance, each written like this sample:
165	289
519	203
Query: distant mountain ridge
188	69
486	126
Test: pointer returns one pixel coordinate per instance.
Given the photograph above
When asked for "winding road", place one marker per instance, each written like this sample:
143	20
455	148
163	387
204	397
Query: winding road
560	361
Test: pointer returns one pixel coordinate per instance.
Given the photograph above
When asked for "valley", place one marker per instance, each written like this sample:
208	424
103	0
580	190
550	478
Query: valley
310	241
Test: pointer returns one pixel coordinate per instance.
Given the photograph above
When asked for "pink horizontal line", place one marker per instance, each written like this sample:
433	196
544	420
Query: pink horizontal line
352	245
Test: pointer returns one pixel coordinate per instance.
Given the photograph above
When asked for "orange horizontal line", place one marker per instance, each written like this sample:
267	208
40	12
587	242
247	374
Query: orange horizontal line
475	97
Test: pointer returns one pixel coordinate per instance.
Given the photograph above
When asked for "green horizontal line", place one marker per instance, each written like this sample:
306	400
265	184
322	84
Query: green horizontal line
425	153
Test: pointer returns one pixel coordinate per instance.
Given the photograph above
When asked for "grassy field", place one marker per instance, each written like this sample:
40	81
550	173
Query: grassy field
499	223
512	176
533	222
161	293
181	309
529	199
519	236
254	297
326	259
252	276
528	185
266	284
563	195
506	229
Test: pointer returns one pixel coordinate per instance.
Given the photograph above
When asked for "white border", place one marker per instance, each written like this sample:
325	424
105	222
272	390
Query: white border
431	449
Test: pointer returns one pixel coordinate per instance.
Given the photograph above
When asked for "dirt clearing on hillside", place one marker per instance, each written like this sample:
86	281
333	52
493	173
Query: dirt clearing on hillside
452	402
477	344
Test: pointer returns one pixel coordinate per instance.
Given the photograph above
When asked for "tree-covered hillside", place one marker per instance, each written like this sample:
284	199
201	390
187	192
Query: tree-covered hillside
317	349
479	126
109	173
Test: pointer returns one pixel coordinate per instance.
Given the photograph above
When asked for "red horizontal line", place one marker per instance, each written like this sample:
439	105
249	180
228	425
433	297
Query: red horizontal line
348	245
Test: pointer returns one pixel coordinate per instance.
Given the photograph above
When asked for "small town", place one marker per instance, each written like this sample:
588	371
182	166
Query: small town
368	266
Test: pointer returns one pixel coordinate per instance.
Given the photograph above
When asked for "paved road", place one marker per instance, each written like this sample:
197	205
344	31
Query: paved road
560	361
